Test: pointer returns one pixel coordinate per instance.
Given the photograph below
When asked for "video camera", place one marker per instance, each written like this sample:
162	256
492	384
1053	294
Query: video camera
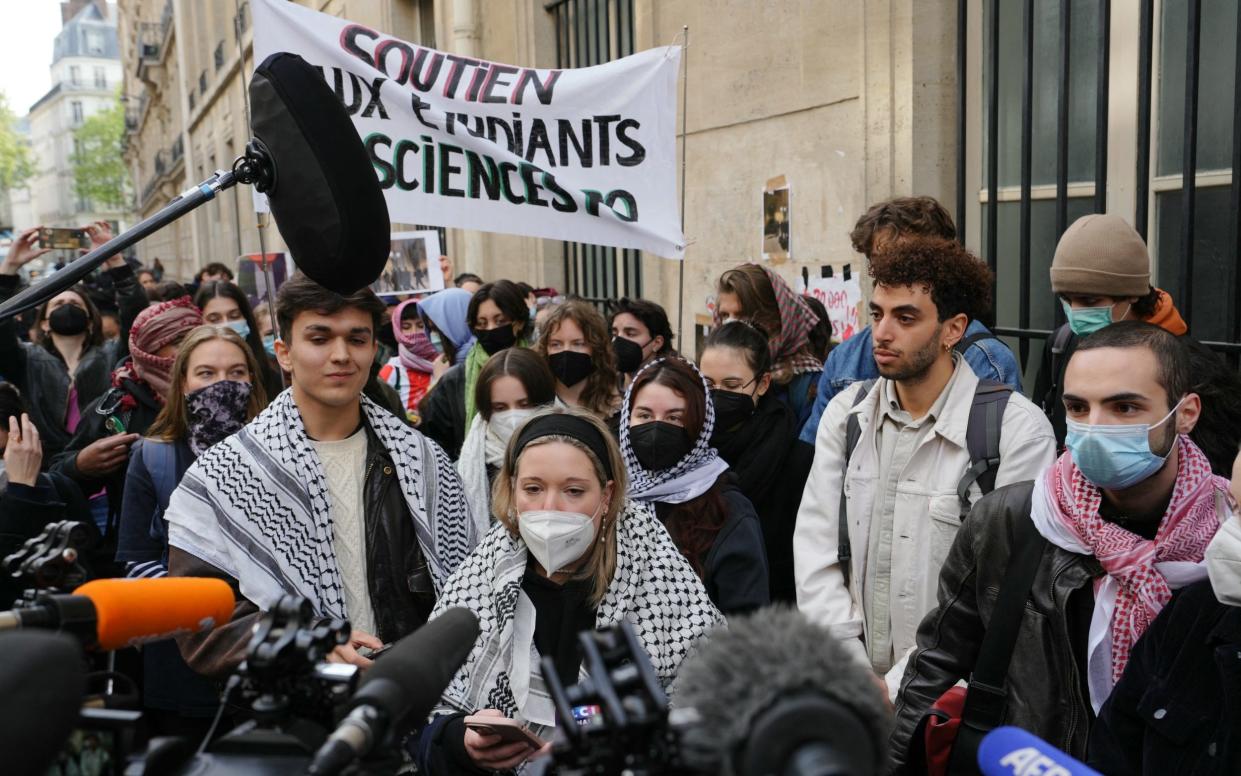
286	688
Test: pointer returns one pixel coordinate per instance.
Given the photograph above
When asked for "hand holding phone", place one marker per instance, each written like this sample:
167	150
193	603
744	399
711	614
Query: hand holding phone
55	237
509	731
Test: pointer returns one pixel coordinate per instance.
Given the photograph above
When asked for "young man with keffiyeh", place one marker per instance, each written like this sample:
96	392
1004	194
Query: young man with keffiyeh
324	495
1126	513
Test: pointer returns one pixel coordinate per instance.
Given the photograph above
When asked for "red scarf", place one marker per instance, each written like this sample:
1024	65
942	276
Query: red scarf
1183	535
155	327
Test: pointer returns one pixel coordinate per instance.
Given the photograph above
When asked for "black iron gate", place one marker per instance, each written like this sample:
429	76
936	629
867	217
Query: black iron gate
1045	87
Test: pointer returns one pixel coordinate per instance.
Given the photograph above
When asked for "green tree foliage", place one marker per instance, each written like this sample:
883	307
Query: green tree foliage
99	173
16	161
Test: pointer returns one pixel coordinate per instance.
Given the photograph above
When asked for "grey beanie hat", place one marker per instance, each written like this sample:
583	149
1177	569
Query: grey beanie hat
1101	254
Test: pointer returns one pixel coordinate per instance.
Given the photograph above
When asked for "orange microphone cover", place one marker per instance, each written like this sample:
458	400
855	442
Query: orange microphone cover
133	611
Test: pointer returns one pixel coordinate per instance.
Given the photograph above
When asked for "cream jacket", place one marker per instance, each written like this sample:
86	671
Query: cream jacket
926	516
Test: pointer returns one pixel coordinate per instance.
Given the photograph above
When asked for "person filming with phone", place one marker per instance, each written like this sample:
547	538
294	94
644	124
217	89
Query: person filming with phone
568	553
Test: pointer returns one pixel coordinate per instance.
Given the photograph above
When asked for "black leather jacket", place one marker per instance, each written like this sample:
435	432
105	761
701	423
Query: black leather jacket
398	577
1045	694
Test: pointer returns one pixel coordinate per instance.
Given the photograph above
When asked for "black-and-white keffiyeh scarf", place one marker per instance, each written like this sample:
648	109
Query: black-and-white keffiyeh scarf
256	506
692	476
654	589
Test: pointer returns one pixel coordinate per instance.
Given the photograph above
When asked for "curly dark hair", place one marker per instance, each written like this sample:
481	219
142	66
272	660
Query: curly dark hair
957	280
911	216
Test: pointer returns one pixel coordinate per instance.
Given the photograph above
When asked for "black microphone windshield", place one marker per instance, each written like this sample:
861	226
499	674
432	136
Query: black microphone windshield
42	682
773	690
324	196
409	679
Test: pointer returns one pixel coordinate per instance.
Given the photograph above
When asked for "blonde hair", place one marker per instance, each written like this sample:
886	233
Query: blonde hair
173	421
600	566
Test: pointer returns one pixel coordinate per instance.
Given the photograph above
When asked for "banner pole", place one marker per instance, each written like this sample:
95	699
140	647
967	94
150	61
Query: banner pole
684	130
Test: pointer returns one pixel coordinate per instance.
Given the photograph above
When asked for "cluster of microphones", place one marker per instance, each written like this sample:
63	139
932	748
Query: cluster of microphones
751	700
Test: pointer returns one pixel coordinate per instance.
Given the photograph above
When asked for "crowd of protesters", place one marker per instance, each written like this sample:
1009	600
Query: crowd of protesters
558	465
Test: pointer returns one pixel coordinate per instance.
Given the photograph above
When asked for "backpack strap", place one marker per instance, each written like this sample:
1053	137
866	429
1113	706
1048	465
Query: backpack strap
160	460
982	438
986	698
853	432
965	342
1061	339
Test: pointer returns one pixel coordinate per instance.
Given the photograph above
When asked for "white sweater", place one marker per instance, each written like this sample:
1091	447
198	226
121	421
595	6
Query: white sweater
344	465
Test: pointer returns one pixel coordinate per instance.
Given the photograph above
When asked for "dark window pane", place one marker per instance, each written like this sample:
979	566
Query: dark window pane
1217	66
1214	281
1083	89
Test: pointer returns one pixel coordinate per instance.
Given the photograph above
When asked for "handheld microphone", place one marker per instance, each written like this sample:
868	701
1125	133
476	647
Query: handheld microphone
406	684
1011	751
42	681
111	614
778	694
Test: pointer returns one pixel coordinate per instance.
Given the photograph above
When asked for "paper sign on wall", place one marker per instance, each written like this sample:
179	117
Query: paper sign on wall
841	297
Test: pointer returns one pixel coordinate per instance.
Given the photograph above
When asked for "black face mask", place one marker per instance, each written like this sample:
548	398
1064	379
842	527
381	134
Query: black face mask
628	355
497	339
731	409
571	367
659	445
68	320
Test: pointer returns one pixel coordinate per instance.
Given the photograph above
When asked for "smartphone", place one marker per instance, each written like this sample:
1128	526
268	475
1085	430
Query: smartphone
55	237
378	653
510	731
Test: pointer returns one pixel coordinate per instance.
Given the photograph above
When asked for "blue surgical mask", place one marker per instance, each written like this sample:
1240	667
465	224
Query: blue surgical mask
1088	320
437	342
269	344
1115	457
241	327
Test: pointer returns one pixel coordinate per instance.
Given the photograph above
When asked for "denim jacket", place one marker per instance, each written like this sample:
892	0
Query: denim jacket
854	360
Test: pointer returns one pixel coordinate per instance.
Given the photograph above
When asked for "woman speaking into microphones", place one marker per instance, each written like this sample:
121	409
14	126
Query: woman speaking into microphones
568	552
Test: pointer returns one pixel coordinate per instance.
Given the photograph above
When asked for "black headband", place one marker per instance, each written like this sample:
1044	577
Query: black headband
564	424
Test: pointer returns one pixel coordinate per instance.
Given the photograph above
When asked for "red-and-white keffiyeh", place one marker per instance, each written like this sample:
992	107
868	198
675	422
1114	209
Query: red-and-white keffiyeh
1141	573
155	327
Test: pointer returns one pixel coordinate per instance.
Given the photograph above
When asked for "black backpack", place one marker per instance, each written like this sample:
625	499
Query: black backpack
982	438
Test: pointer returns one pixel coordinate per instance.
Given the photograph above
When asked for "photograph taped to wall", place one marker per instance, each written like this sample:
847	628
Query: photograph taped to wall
410	259
776	242
252	280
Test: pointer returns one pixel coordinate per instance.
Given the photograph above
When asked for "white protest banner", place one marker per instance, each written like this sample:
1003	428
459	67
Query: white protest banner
583	154
841	298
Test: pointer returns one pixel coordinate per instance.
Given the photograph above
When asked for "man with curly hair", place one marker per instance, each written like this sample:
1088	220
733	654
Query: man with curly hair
896	489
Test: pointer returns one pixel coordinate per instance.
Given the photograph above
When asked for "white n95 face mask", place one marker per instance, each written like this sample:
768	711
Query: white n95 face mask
1223	559
556	539
506	422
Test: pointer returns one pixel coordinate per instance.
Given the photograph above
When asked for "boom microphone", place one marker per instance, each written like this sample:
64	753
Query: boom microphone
1011	751
111	614
405	683
777	694
41	687
309	160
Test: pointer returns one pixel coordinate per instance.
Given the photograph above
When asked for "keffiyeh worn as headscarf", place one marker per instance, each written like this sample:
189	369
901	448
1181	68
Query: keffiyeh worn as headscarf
1141	573
257	507
448	310
789	352
155	327
654	589
692	476
414	349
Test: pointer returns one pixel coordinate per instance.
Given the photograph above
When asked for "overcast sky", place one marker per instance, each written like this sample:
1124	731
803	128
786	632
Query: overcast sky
26	51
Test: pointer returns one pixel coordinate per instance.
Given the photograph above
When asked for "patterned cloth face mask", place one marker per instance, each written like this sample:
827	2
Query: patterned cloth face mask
216	412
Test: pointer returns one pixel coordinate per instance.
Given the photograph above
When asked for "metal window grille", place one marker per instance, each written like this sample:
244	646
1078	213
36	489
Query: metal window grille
1025	309
591	32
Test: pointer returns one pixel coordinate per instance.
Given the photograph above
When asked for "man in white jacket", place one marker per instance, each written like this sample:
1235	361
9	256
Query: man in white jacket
900	490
